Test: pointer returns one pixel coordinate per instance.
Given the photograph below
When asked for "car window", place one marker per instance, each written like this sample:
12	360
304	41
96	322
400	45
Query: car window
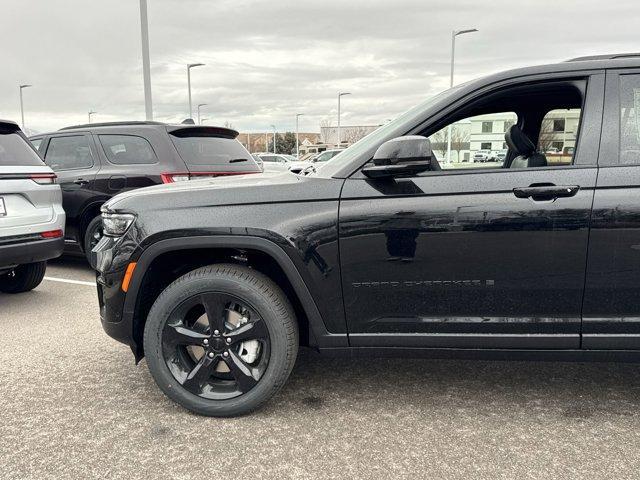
630	119
69	153
558	135
272	159
474	142
36	143
325	156
200	152
14	150
127	149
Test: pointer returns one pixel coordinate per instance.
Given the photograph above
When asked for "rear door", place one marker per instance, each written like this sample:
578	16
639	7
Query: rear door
73	156
611	313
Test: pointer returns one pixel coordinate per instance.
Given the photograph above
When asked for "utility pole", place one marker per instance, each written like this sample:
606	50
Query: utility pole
340	95
298	115
198	108
274	138
146	69
91	112
22	87
454	34
189	67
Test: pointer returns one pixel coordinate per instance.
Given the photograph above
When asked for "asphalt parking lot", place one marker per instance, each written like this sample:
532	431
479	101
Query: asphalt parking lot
74	405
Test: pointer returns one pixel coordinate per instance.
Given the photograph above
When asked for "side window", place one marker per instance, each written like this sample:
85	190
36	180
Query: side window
127	149
558	135
630	119
475	142
69	153
36	143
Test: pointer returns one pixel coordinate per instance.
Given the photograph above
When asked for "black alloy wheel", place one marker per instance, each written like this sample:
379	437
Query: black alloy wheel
221	340
216	346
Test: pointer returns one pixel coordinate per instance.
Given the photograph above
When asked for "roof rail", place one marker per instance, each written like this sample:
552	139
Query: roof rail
611	56
111	124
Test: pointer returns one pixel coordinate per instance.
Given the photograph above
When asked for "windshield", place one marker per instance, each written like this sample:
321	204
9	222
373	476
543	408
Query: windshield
396	128
14	150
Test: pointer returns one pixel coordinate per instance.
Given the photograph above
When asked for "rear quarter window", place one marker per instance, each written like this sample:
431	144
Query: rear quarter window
127	149
203	153
14	150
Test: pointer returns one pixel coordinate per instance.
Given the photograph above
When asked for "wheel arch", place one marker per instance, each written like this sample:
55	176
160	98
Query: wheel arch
218	249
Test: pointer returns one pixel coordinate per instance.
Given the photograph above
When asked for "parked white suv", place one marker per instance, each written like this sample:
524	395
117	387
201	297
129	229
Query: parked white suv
31	214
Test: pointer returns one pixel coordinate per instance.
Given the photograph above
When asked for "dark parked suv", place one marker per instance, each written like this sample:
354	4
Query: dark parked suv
94	162
388	249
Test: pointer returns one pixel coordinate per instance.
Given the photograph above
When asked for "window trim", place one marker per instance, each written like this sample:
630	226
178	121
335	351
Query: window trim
92	152
106	155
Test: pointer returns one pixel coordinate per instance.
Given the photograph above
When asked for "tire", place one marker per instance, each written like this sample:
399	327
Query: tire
92	236
23	278
223	281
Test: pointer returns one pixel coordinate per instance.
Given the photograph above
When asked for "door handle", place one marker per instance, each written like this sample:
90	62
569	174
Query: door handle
546	191
80	181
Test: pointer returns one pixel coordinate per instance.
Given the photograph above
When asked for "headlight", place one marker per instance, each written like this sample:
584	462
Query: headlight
116	224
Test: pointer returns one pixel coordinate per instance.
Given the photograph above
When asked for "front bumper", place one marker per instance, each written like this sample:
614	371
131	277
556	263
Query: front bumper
110	259
29	250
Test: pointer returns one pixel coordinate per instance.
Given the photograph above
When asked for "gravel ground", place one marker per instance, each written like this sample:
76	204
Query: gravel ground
74	405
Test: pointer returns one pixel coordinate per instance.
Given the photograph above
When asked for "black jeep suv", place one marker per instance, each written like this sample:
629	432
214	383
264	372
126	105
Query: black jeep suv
94	162
392	248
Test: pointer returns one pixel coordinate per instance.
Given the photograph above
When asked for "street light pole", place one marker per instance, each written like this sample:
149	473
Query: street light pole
340	95
91	112
200	105
454	34
189	67
274	138
298	115
22	104
146	69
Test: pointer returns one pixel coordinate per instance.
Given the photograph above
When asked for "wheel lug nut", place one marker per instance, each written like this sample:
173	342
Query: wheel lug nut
228	340
211	354
225	354
216	332
206	342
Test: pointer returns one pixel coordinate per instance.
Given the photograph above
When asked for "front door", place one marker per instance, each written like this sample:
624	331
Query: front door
474	255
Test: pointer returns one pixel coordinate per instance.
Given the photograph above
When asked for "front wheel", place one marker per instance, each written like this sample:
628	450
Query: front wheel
221	340
23	278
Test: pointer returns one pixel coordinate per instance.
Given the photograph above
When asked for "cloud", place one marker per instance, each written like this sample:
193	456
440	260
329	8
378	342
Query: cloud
268	60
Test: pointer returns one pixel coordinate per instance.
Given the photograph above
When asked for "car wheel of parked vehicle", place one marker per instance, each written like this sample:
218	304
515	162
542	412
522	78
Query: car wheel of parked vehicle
221	340
92	235
23	278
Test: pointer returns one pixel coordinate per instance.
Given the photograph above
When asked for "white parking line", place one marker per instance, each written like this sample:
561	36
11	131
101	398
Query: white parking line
66	280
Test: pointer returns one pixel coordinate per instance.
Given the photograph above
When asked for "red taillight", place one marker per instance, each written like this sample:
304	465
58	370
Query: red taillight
182	176
43	178
52	234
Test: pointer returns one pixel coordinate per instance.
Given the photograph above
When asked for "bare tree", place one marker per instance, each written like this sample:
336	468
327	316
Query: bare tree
439	142
459	139
547	136
325	129
353	134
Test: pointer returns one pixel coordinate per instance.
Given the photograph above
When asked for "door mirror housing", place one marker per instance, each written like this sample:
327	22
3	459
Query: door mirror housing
401	157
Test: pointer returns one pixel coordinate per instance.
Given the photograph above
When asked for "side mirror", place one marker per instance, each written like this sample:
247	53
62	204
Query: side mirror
401	157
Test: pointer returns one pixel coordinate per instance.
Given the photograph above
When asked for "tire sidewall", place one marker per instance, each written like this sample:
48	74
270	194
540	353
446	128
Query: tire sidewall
215	279
88	234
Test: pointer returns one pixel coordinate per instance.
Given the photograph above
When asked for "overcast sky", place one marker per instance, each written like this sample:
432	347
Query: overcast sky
268	60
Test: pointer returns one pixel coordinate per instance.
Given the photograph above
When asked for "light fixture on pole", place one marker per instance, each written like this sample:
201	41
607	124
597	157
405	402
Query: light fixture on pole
146	69
22	87
340	95
189	67
298	115
454	34
198	108
274	138
91	112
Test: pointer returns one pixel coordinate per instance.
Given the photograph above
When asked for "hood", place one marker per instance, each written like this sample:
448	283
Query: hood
275	187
